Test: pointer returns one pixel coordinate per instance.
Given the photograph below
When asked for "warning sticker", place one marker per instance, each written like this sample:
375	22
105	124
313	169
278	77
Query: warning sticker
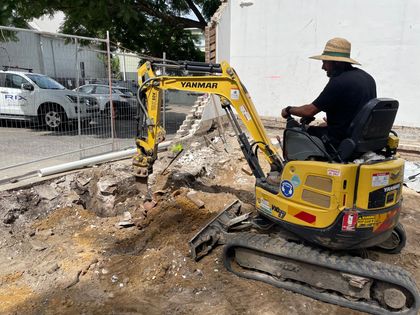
349	221
332	172
380	179
245	113
234	94
265	206
366	221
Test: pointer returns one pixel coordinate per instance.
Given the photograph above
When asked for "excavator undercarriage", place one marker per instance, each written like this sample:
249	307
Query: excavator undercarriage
255	248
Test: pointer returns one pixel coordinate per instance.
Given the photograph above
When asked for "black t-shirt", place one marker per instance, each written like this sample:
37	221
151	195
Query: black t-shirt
342	98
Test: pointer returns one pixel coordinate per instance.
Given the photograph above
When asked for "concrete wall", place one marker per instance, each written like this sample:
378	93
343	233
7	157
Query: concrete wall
271	40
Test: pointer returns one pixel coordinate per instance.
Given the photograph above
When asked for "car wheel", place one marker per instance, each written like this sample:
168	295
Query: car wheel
108	111
53	117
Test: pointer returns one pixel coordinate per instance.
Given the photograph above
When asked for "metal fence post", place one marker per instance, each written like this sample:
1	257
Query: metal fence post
79	123
111	105
124	68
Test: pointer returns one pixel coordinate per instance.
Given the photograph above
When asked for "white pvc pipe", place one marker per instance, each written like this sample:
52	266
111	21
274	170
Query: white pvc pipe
92	160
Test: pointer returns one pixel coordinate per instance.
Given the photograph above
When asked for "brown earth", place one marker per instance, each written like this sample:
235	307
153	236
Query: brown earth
62	251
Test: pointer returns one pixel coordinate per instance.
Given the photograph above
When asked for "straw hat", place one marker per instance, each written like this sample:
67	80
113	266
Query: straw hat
337	49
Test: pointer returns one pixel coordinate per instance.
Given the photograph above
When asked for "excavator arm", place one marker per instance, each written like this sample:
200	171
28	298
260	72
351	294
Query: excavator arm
219	79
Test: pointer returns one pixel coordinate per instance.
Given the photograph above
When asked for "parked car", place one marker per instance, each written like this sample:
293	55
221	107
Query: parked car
124	101
25	95
128	95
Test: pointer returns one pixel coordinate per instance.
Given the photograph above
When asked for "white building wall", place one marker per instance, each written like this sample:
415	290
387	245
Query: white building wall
271	40
223	38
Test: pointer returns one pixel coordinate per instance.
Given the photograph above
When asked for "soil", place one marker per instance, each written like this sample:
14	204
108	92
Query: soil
90	243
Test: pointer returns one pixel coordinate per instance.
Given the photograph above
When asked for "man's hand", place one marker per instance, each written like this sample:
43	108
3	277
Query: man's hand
308	110
284	112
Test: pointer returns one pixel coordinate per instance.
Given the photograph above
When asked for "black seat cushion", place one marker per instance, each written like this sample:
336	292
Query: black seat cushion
369	130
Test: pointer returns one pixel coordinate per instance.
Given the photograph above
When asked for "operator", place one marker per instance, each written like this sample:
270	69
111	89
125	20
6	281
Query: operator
346	92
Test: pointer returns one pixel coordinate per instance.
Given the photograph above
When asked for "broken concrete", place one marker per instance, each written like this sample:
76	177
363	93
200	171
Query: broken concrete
67	254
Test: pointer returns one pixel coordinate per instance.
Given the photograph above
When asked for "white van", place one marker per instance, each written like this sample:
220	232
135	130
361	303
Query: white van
32	96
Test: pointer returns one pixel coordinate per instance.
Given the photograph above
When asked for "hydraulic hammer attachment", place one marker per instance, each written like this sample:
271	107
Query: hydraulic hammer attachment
219	230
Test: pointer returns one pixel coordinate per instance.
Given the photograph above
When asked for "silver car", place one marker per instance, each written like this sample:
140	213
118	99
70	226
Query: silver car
124	101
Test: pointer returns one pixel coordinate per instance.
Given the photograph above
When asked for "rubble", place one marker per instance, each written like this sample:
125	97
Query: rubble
64	247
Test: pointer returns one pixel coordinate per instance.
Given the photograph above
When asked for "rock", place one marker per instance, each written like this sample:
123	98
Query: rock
149	205
45	233
192	195
176	193
223	162
75	279
71	198
114	278
107	185
158	193
10	217
195	145
126	216
37	245
83	180
198	272
246	170
140	221
125	224
182	179
126	221
53	267
46	192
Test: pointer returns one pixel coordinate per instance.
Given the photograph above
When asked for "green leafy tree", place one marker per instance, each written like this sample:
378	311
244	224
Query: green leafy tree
146	26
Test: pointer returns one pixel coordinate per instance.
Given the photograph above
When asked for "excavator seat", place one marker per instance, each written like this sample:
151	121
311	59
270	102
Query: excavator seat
369	131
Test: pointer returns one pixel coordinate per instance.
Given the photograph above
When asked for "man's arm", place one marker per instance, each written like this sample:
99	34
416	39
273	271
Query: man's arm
308	110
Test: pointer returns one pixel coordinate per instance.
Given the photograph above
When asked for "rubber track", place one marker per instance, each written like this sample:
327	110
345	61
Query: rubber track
347	264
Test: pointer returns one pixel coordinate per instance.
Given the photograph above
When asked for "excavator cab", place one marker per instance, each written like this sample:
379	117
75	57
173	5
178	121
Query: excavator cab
368	132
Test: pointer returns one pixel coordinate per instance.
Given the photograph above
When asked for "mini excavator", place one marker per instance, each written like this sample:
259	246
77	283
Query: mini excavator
317	208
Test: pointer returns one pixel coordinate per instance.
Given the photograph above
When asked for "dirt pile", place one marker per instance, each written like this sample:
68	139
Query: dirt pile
88	243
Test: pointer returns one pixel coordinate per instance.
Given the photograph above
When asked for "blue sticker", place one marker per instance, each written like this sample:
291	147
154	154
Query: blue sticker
295	181
287	188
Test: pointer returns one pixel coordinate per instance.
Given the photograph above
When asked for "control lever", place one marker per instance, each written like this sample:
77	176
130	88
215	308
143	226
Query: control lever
291	122
307	120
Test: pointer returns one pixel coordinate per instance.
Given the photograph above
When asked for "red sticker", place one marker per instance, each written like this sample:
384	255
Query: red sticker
349	221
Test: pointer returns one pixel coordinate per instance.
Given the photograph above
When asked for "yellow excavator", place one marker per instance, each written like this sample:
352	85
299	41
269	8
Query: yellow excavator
318	208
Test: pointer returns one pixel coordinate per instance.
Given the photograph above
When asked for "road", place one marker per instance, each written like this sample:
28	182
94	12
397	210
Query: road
25	142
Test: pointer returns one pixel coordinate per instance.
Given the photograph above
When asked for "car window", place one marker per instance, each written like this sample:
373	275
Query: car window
14	81
117	91
87	89
45	82
2	79
102	90
126	92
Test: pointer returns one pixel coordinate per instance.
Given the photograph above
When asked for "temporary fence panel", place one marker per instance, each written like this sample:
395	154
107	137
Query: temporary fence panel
48	113
65	98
